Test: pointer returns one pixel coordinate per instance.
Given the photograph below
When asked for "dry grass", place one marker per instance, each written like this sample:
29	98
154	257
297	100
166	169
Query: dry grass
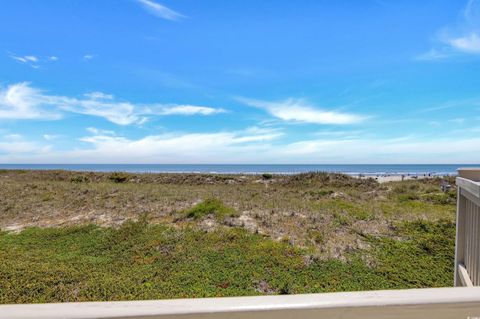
329	213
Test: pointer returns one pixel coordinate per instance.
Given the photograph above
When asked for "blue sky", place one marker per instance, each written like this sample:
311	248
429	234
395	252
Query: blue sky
183	81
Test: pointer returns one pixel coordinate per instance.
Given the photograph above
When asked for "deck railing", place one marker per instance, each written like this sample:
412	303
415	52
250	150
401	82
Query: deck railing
467	245
459	302
438	303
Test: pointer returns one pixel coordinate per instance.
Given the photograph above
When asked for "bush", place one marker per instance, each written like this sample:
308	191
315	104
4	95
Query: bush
449	198
118	177
408	197
80	179
267	176
210	206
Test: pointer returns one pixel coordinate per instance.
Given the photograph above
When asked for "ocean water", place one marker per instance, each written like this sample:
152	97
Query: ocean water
351	169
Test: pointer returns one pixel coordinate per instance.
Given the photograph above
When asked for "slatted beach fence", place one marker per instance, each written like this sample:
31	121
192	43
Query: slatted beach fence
467	245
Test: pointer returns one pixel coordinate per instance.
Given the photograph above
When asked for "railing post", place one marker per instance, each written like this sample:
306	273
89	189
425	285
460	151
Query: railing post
460	236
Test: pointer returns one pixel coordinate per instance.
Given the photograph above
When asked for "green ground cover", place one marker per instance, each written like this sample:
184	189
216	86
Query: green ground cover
144	261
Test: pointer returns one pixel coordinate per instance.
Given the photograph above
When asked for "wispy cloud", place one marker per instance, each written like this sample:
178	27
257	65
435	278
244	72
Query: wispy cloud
245	147
299	110
468	43
32	60
88	57
97	131
462	38
433	55
184	110
22	101
462	103
17	145
160	10
50	137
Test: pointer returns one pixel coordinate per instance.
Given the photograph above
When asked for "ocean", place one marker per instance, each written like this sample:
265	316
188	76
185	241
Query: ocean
351	169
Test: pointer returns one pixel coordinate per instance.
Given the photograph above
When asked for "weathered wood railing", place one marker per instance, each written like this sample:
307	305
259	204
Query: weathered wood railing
459	302
467	245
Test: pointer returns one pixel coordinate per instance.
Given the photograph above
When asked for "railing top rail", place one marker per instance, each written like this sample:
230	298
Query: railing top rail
471	173
469	180
461	300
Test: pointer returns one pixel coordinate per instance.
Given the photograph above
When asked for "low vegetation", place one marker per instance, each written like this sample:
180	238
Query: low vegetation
71	236
210	207
141	261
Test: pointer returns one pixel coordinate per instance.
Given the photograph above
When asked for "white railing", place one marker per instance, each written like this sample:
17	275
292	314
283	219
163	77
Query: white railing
411	303
458	302
467	245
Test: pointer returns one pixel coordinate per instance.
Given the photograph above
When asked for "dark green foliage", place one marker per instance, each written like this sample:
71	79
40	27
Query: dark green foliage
330	179
141	261
267	176
119	177
80	179
210	206
448	198
424	257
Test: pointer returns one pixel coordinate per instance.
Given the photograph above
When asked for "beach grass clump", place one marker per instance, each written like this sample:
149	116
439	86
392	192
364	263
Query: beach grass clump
210	206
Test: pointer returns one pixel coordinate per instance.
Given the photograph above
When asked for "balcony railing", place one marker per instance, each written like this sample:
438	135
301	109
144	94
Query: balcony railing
467	245
458	302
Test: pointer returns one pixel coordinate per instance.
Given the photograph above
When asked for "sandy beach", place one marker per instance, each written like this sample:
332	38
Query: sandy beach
397	178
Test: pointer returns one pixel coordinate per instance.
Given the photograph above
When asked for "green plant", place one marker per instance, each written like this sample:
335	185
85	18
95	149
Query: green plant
267	176
210	206
80	179
118	177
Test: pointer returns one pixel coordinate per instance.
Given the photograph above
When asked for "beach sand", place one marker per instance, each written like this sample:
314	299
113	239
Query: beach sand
396	178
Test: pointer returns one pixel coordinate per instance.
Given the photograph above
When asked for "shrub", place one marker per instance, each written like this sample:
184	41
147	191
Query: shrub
210	206
408	197
118	177
267	176
80	179
441	198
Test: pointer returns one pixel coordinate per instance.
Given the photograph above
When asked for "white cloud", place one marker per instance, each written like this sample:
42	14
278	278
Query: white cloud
98	96
25	58
30	60
254	145
298	110
88	57
121	113
21	101
433	55
469	43
96	131
462	38
175	147
16	145
50	137
186	110
160	10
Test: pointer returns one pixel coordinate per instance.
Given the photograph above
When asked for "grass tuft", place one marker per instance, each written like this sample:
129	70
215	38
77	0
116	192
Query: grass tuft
210	206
